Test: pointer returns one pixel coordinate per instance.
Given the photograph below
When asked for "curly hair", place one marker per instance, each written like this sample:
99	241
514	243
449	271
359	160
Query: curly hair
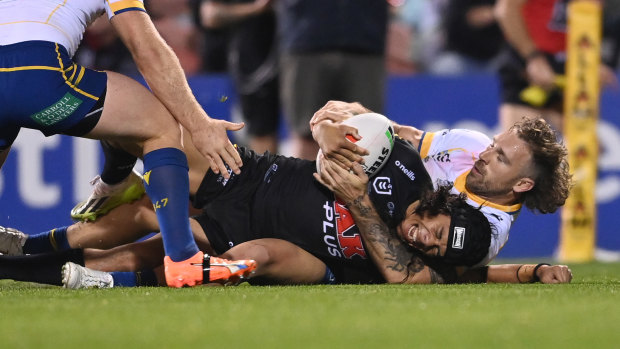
552	178
440	201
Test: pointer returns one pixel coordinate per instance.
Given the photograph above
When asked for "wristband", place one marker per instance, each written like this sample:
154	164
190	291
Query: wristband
535	277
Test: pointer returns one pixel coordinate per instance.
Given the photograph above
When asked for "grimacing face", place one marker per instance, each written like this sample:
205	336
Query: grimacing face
427	234
500	166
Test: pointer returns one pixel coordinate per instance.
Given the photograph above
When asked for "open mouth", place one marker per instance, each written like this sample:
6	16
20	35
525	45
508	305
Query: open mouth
412	235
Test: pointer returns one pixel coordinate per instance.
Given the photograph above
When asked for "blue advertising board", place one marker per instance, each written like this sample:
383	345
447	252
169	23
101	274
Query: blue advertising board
44	177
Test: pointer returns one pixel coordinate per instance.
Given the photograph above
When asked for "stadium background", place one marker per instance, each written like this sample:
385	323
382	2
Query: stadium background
44	177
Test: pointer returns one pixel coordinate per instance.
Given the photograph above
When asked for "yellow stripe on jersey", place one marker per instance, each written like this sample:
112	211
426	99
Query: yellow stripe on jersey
79	78
459	184
425	144
125	4
67	81
54	11
29	67
72	74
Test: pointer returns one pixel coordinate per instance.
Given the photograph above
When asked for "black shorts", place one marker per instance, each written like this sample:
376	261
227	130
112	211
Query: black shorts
513	78
227	204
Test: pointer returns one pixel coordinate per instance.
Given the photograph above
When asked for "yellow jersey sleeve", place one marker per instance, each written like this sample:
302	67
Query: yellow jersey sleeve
114	7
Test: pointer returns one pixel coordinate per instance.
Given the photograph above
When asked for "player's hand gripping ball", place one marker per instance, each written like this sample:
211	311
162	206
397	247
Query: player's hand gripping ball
377	137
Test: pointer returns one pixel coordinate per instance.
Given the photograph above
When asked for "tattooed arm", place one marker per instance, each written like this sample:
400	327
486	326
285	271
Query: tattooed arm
396	261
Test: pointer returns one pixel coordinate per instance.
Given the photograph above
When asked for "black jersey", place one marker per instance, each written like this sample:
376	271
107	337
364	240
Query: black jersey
277	197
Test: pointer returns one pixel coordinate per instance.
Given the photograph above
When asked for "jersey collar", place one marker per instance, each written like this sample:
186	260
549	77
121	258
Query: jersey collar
459	184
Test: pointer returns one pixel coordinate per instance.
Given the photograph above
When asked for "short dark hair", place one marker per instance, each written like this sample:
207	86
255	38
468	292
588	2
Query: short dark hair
470	231
551	173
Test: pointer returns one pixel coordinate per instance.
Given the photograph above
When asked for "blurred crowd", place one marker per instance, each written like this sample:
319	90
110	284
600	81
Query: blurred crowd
443	37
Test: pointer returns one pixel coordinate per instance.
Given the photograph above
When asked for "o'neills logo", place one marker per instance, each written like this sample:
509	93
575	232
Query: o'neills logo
459	236
405	170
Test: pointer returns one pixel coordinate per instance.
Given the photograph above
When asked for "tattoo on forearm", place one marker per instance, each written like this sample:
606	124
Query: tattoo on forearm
396	253
435	277
359	204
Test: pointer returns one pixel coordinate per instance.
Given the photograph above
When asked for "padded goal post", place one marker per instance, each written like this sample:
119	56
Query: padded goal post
581	113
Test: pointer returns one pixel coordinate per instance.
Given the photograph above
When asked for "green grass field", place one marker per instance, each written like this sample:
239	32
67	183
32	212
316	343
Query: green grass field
583	314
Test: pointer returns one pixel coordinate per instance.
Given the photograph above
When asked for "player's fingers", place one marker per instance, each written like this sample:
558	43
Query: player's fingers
350	144
567	275
212	164
234	154
359	171
217	161
319	179
325	174
351	131
341	160
228	159
332	170
233	126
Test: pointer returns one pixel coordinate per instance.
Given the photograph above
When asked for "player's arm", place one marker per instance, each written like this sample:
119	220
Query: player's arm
409	133
394	259
163	73
518	273
215	14
333	113
508	14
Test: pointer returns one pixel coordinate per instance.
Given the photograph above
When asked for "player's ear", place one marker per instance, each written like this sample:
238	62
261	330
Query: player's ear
523	184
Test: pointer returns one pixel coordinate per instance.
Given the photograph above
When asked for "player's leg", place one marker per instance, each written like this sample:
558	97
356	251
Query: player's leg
305	87
364	78
133	117
124	224
279	261
261	114
136	261
41	268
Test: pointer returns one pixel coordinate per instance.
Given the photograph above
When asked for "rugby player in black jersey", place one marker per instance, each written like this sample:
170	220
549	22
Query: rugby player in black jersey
306	235
277	198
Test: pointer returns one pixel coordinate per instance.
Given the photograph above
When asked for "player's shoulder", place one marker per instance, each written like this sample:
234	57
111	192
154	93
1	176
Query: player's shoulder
461	136
449	139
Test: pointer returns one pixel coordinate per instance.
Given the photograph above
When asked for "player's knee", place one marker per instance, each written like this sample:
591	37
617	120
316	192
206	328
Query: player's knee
249	250
145	217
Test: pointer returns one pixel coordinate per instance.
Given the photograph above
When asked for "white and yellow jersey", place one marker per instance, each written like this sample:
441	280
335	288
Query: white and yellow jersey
59	21
448	157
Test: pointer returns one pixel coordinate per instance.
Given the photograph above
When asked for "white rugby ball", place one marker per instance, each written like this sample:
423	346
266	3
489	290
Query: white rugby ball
377	137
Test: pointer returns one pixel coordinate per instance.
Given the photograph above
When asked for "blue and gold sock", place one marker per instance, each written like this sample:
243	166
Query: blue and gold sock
49	241
167	184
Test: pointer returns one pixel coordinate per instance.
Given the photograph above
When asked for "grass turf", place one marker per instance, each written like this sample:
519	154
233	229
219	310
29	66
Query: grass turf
585	313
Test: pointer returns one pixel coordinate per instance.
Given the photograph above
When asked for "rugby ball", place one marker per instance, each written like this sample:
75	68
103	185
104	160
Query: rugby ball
377	137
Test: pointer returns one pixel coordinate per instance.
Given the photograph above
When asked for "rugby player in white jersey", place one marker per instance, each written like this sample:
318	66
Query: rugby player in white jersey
43	89
524	165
